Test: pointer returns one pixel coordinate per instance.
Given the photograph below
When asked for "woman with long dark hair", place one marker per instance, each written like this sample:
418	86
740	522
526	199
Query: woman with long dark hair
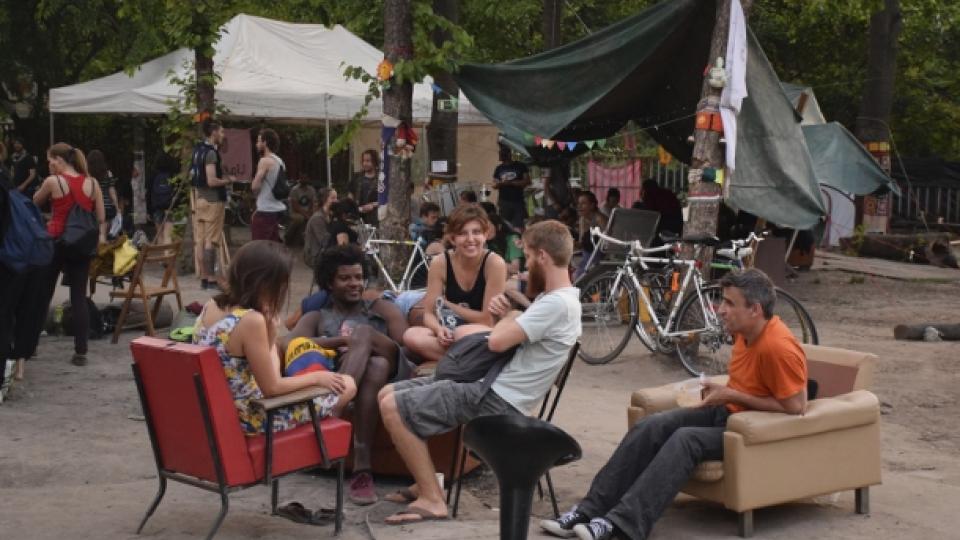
241	323
69	185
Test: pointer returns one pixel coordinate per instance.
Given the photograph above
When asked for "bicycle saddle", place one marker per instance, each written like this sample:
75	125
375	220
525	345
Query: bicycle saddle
668	237
702	239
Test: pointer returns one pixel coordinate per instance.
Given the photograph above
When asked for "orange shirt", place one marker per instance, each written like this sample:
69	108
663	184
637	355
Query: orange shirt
773	365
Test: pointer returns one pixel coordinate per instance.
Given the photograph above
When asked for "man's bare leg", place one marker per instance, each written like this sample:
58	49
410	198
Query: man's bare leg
416	455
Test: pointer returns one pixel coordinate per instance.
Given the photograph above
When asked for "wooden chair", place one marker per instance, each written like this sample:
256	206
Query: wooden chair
164	256
547	408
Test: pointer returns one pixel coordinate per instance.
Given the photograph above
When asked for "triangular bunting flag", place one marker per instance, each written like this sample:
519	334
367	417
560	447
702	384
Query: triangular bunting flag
527	138
601	142
547	143
561	145
571	145
537	140
590	144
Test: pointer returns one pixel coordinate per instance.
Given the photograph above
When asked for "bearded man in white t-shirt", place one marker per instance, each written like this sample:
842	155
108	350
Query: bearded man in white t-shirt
416	409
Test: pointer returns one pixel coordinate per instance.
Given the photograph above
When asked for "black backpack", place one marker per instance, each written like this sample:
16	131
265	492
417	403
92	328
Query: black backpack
281	189
198	167
470	359
162	194
80	232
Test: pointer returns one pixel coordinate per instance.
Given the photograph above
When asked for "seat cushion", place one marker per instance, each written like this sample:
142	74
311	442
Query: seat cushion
708	471
296	448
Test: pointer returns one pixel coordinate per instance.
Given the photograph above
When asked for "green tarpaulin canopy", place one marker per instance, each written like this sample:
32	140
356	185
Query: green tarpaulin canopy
649	68
842	162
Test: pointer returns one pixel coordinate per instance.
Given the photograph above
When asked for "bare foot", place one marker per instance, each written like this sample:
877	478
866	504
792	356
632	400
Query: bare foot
18	372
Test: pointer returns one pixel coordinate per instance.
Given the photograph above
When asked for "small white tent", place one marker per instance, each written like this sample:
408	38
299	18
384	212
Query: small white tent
267	68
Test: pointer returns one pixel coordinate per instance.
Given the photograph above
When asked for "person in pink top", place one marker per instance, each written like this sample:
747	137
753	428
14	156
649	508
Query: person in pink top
69	184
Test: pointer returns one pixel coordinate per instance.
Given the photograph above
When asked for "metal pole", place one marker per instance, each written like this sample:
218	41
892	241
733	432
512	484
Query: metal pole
326	122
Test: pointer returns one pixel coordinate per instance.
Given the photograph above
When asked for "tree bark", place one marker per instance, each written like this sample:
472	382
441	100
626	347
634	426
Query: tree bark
205	85
442	131
552	17
878	90
397	103
704	197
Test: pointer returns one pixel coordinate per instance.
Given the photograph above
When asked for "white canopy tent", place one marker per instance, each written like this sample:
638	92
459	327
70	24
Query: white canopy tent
268	69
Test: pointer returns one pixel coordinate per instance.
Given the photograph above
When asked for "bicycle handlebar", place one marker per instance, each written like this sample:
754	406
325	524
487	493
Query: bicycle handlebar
634	245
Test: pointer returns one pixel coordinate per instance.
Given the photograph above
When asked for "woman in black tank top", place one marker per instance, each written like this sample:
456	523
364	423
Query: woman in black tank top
461	281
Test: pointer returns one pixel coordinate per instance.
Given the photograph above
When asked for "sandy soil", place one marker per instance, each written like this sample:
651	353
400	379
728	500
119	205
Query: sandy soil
75	462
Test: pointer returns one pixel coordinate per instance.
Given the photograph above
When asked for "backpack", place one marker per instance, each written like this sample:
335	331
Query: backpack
469	359
281	189
198	167
81	234
26	243
162	194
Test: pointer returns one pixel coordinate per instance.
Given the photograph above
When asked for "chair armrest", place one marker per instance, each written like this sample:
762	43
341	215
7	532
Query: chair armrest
662	398
855	409
293	398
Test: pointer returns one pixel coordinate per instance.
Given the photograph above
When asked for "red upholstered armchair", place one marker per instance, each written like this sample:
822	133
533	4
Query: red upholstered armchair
196	435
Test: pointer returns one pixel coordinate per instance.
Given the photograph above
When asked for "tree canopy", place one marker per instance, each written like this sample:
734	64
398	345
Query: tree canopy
821	43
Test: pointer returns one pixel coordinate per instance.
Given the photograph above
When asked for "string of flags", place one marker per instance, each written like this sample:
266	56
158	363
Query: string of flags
549	144
450	103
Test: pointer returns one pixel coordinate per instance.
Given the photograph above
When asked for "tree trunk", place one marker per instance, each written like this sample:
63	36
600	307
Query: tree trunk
442	132
704	197
552	17
205	82
872	127
931	248
397	103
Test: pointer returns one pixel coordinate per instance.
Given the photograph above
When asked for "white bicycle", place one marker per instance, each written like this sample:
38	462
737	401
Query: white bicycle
417	262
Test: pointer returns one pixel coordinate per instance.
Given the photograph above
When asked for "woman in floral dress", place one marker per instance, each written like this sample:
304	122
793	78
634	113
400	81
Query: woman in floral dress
241	323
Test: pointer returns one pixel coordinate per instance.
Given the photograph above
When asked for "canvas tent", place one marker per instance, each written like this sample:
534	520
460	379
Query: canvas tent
268	69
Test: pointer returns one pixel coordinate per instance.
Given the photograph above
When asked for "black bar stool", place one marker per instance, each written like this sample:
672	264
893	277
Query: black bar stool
518	449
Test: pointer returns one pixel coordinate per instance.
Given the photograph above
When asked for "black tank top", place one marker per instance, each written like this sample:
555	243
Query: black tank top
472	298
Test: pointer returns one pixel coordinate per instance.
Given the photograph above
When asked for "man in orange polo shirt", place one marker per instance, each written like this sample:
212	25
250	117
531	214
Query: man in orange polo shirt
768	372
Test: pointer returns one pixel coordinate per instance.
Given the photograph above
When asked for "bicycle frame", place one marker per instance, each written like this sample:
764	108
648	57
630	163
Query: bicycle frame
371	248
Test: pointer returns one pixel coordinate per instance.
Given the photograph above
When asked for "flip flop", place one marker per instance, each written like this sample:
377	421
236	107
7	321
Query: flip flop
401	496
420	513
296	512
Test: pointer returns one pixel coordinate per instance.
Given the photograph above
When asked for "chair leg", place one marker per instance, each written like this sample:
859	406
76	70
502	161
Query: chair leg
274	496
224	507
553	495
122	319
463	466
862	496
338	519
745	524
452	473
154	504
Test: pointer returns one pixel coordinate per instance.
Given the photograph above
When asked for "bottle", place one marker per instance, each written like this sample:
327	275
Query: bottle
58	319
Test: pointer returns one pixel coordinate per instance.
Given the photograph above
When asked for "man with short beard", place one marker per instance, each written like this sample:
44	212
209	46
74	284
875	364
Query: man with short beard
417	409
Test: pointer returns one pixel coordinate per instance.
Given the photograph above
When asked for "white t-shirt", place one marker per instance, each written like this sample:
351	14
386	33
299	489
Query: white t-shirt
265	200
552	326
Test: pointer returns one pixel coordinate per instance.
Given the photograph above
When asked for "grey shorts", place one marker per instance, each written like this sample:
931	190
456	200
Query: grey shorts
429	406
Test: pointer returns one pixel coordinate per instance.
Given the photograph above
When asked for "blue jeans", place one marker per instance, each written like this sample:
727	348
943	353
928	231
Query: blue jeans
654	460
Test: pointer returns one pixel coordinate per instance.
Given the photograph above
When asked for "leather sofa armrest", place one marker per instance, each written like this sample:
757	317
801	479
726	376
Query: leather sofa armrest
662	398
857	408
293	398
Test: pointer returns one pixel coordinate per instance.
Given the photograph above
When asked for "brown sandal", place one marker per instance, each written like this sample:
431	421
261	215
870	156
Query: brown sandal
402	496
417	515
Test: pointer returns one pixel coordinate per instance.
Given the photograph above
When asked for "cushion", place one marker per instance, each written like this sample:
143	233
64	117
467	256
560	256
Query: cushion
708	471
296	448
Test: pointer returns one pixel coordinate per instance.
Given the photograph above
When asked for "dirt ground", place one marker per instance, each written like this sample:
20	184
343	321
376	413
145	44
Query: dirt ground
75	460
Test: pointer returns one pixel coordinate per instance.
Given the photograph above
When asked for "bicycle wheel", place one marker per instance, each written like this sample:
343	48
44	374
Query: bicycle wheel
608	315
709	351
795	316
656	286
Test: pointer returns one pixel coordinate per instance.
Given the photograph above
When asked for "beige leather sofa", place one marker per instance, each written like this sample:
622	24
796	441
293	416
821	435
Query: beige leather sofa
773	458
